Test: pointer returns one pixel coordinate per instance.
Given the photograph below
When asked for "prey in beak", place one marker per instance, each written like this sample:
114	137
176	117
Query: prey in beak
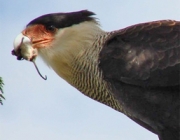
23	48
27	43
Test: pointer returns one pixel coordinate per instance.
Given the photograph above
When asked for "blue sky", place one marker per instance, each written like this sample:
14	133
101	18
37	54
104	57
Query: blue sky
35	109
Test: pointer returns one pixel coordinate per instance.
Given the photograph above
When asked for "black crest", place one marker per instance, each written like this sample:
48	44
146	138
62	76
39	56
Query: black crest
62	20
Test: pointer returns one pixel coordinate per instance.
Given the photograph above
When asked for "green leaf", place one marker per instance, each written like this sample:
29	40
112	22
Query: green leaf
1	90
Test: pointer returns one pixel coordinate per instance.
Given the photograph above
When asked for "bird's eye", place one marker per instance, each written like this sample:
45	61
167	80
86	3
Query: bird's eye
51	28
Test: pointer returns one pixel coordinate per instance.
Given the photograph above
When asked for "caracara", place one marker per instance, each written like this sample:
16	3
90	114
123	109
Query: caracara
135	70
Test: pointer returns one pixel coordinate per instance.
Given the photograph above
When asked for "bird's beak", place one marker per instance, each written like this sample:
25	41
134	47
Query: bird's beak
23	48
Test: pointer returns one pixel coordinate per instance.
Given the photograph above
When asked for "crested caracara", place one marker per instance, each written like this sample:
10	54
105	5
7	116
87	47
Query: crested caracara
135	70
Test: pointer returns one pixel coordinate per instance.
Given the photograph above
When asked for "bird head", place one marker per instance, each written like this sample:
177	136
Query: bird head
40	32
51	34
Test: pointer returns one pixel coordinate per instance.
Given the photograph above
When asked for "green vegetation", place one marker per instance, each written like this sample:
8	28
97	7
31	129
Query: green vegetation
1	90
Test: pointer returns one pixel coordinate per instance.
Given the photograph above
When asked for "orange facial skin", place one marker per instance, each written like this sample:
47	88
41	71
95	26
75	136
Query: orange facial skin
39	35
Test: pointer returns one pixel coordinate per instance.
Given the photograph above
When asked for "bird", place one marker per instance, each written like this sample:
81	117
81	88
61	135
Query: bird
134	70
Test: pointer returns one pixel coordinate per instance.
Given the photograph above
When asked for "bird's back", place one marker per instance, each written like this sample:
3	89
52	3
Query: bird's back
142	65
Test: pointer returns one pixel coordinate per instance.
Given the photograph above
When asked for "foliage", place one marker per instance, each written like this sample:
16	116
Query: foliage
1	90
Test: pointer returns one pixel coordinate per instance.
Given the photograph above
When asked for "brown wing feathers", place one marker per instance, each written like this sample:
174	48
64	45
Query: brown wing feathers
147	51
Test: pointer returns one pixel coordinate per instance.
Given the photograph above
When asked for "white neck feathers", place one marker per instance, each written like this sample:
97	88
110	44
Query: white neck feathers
68	44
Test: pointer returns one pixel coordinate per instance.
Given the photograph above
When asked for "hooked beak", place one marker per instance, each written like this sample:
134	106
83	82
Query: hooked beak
23	48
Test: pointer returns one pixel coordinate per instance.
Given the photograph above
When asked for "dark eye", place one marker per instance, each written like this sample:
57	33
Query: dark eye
51	28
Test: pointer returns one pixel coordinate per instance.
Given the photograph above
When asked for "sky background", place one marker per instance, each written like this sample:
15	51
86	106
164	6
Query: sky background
35	109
